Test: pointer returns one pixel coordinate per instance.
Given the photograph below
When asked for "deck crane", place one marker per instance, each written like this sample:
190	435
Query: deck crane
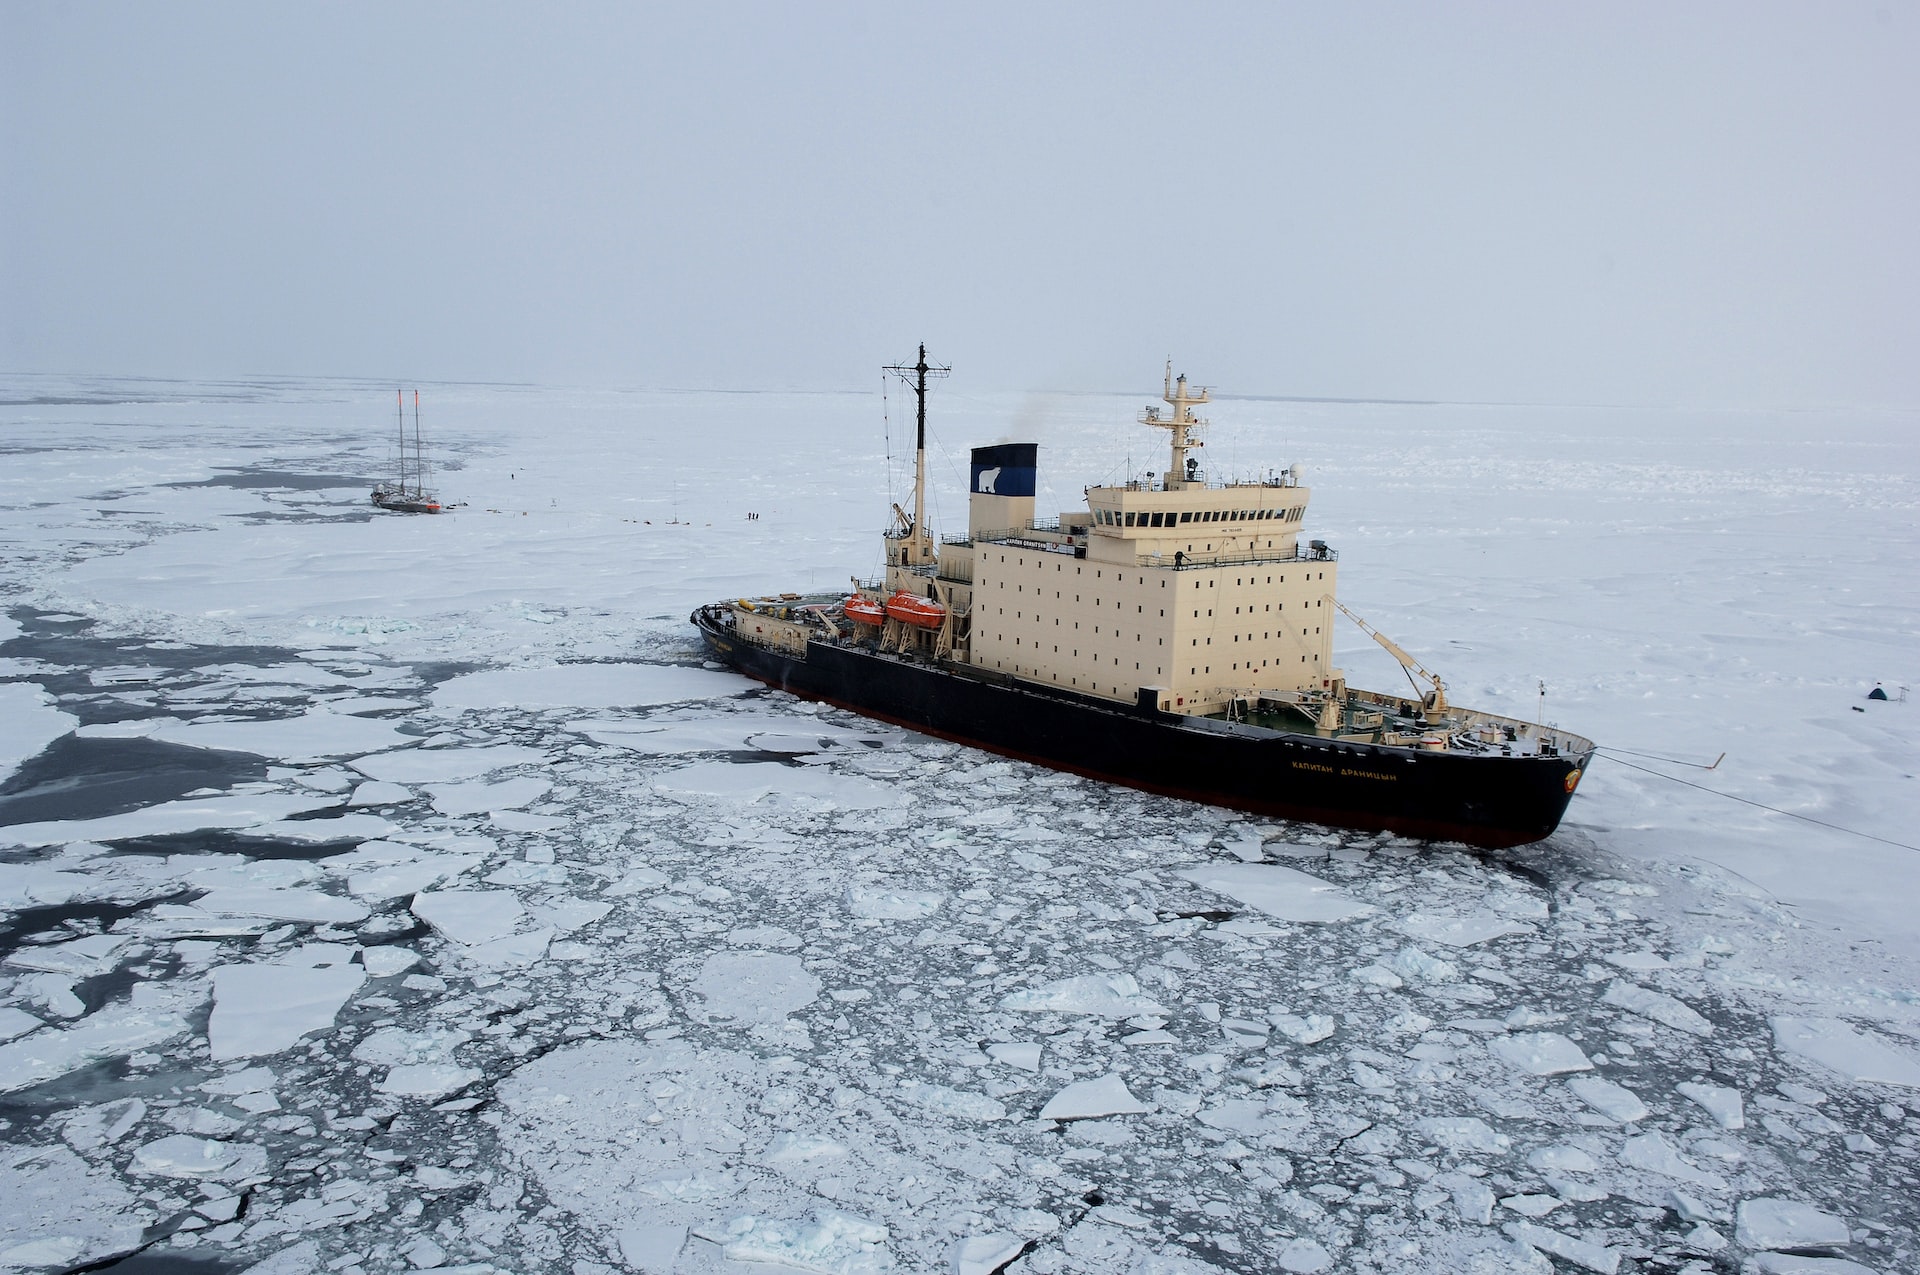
1433	701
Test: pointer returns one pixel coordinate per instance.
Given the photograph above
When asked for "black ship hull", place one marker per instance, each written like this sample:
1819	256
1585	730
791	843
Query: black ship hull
1486	800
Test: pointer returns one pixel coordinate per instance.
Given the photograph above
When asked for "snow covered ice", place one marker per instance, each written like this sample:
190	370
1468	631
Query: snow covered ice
387	893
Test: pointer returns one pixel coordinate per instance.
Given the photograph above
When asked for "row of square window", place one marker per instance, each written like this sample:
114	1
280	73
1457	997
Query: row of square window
1169	518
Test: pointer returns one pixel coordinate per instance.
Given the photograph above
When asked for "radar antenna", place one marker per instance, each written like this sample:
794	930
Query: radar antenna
1183	472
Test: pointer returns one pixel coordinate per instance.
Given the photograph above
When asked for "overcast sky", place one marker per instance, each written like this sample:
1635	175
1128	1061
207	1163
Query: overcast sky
1605	202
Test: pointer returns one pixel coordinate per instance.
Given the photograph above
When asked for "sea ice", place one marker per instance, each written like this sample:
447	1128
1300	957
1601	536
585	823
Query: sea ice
58	1212
1770	1222
181	1155
314	734
1462	1133
587	686
1723	1104
169	819
1595	1257
985	1254
1107	995
1654	1153
750	782
834	1243
1839	1047
16	1022
1539	1053
1459	931
28	723
754	987
1286	893
314	907
479	797
265	1007
470	917
893	904
1022	1054
1613	1101
1658	1006
947	1101
111	1032
1091	1099
374	792
651	1250
445	765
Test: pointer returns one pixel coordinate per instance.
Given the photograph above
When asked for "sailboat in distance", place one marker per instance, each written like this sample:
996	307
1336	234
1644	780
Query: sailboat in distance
404	496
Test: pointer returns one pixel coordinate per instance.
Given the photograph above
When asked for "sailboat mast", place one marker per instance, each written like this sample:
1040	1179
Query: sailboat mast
400	418
419	457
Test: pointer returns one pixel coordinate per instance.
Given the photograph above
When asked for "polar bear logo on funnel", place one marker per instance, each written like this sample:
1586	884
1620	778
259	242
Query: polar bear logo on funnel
988	477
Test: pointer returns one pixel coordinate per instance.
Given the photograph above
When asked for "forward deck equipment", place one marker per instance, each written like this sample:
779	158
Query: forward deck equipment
1175	636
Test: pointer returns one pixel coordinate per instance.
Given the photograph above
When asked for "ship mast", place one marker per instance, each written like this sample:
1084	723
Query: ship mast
917	547
400	417
1182	420
419	456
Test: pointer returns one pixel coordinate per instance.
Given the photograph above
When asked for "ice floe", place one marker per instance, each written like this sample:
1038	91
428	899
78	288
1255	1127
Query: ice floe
313	734
1842	1048
28	723
1285	893
1093	1099
587	686
169	819
1107	995
1540	1053
265	1007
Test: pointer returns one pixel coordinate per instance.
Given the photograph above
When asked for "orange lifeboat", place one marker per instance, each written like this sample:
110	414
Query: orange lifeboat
864	610
911	608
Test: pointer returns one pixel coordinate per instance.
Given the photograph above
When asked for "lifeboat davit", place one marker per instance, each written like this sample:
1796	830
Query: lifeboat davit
911	608
864	610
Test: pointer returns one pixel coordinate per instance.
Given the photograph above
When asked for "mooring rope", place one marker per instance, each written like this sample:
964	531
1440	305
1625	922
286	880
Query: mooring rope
1747	801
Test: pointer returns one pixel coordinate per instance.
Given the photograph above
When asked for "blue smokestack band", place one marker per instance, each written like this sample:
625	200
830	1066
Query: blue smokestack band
1007	469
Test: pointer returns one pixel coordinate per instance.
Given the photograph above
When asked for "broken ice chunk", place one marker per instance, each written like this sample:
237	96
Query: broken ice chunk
1280	892
651	1249
1304	1029
1022	1054
1856	1055
1594	1257
1461	1133
265	1007
1615	1102
1105	995
1723	1104
1091	1099
1652	1152
1658	1006
1411	962
877	904
427	1081
1771	1222
1540	1053
834	1242
384	962
754	987
1376	976
60	1213
985	1254
952	1102
180	1155
470	916
1459	931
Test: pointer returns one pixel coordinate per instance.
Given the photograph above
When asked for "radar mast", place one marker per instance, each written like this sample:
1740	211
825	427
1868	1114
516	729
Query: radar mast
1182	473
